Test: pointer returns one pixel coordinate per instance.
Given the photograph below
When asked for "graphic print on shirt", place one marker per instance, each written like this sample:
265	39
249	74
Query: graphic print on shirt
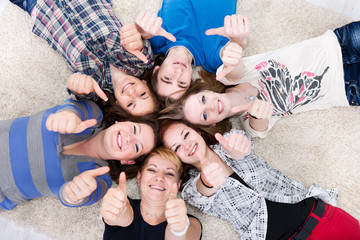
285	92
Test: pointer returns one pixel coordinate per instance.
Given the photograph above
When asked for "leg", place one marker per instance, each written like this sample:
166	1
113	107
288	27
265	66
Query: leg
26	5
349	40
336	224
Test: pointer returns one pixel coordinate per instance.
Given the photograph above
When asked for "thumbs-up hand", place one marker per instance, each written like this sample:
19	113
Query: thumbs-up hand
132	41
149	25
231	56
82	185
175	211
67	122
115	200
236	28
261	109
212	172
81	84
237	145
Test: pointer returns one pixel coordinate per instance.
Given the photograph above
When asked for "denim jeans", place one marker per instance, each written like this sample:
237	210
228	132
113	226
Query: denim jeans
349	39
26	5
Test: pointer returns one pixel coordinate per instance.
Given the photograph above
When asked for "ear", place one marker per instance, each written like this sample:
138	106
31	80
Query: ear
138	177
155	69
179	184
117	104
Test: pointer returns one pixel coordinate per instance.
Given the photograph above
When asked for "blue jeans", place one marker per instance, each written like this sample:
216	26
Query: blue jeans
349	39
26	5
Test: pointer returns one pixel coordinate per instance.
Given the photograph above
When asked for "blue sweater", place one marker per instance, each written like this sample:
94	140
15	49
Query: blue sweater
32	164
188	20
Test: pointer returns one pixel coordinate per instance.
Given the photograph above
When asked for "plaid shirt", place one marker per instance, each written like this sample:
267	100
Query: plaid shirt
87	34
243	207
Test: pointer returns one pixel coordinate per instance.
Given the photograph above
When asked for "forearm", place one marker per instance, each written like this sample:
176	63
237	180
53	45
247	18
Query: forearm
193	231
205	191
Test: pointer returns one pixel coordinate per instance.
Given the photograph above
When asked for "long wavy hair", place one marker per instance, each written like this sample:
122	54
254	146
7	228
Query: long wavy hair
175	110
112	114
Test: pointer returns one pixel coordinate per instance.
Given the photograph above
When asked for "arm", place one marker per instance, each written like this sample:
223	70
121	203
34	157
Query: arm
180	226
116	209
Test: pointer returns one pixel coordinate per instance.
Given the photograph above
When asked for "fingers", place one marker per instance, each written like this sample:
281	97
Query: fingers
122	183
99	91
223	142
164	33
131	39
85	125
114	204
261	109
63	122
97	172
139	55
173	191
216	31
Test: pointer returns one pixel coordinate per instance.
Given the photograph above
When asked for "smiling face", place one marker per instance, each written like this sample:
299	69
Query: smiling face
174	77
206	108
134	96
128	140
157	177
185	142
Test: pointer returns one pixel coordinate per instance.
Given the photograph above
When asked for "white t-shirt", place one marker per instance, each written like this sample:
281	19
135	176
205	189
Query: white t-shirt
300	77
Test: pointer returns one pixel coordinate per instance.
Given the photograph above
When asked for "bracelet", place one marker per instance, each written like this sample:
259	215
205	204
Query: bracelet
204	182
182	233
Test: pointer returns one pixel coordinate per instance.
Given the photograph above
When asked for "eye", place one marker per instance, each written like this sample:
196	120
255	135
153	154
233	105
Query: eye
170	174
130	104
203	99
177	148
151	170
137	147
205	116
143	94
186	135
135	130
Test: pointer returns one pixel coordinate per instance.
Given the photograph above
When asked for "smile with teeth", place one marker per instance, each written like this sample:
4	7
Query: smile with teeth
193	150
157	187
220	106
119	139
126	87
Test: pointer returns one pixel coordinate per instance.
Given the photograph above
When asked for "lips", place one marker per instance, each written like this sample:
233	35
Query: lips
119	141
155	187
126	87
193	150
220	106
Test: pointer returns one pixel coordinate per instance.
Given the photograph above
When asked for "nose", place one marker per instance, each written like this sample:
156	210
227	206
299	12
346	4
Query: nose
159	177
129	138
177	74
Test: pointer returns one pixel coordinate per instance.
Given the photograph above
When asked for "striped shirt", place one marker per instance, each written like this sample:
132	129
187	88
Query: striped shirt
87	34
245	208
32	163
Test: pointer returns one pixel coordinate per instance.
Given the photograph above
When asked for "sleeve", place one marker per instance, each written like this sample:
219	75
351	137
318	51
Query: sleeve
253	133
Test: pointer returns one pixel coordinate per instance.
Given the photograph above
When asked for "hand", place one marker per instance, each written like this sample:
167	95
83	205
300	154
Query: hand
83	185
237	145
212	172
261	109
175	211
114	201
231	56
236	28
81	84
67	122
149	25
132	41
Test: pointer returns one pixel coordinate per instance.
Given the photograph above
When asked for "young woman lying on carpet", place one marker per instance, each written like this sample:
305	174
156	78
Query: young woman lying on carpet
229	181
64	151
159	214
314	74
98	48
188	21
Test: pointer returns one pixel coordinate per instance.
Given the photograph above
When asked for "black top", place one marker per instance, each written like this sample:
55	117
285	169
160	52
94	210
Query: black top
284	219
138	229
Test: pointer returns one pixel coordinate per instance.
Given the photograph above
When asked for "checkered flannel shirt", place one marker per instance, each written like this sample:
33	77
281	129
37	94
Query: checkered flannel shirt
87	34
243	207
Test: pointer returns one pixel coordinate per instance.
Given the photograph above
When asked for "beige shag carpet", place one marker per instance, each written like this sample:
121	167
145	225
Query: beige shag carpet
320	147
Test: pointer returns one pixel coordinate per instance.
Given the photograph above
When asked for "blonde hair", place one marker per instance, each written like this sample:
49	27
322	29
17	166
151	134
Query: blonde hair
167	154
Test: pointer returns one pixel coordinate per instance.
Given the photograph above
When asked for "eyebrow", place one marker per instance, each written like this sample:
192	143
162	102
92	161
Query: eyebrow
180	135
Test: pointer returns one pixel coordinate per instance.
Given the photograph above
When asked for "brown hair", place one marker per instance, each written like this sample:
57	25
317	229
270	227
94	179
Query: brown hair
176	110
112	114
